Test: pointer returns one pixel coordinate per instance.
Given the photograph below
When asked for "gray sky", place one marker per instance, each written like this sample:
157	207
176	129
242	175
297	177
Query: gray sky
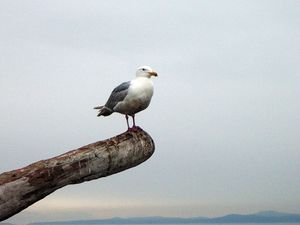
225	114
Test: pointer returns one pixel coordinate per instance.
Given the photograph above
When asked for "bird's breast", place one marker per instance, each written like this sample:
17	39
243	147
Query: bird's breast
141	88
138	98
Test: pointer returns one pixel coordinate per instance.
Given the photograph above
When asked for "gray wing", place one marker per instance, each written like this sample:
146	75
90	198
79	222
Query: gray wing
117	95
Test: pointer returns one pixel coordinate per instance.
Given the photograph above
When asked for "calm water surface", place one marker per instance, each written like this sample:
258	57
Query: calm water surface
205	224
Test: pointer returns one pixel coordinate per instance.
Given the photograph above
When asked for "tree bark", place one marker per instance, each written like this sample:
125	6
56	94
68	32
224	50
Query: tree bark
22	187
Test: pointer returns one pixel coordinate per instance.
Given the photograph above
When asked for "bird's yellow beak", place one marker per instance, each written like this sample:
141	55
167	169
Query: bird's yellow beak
153	73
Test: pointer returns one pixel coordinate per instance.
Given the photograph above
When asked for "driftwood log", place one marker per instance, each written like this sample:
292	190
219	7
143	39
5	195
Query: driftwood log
22	187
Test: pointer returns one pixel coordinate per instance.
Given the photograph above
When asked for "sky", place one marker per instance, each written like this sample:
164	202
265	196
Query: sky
224	117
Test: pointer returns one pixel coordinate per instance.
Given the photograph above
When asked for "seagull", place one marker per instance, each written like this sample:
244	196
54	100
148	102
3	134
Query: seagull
130	97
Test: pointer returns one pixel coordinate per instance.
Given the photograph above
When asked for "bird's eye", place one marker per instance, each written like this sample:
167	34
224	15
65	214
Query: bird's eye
144	69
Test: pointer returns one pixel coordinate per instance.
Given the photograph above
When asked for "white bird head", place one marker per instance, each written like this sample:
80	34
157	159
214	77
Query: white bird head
145	71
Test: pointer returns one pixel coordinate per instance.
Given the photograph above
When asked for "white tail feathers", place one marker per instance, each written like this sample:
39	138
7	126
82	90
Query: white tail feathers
103	111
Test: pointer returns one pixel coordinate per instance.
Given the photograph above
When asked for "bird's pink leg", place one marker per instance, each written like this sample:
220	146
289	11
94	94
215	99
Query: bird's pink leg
134	127
126	116
133	120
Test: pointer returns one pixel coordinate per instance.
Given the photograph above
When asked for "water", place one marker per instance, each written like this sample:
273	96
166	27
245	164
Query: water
179	224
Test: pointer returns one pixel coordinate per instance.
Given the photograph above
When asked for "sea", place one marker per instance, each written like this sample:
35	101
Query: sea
175	224
187	224
203	224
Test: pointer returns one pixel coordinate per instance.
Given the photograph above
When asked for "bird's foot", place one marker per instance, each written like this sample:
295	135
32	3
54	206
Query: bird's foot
134	129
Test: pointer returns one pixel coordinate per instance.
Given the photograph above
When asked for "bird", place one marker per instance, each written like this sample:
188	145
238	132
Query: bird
130	97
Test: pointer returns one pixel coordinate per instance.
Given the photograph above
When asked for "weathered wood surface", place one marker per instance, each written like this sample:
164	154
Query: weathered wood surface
22	187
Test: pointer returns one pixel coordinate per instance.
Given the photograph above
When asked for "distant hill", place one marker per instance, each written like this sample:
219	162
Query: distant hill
260	217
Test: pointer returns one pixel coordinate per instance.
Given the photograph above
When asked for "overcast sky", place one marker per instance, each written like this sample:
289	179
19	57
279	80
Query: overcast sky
225	114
